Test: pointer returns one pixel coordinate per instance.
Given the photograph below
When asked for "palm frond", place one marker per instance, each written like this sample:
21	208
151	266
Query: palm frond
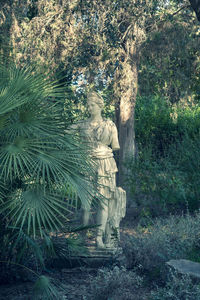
64	248
36	210
47	171
47	289
3	191
23	246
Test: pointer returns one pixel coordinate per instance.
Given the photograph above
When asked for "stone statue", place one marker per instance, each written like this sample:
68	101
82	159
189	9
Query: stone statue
103	138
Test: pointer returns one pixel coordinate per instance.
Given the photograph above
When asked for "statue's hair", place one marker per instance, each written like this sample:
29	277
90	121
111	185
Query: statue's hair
96	98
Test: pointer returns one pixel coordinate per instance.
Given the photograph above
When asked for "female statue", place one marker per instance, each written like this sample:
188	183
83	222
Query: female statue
103	138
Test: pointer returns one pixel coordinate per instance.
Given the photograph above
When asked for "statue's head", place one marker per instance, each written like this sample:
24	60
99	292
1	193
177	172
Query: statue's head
94	97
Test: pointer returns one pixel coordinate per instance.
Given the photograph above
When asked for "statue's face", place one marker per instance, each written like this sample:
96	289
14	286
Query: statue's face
93	107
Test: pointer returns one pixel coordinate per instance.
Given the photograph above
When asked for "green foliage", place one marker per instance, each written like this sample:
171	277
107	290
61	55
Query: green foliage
114	284
165	176
43	168
177	288
154	125
102	42
46	288
84	39
160	240
169	63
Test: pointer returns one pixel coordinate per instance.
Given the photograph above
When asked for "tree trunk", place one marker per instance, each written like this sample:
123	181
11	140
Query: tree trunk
126	91
196	6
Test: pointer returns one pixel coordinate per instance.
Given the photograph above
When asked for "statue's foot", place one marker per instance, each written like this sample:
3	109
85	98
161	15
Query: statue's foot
108	242
99	243
110	246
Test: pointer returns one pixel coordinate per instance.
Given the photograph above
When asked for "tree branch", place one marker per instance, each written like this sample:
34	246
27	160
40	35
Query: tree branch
183	7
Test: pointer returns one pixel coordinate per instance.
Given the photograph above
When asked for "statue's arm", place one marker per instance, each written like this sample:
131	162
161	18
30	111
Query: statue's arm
73	127
114	140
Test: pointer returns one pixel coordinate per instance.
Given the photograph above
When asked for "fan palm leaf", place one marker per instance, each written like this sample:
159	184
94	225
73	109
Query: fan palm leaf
39	162
45	288
33	209
44	170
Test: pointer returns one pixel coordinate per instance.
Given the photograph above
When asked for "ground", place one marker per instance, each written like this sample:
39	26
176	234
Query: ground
76	283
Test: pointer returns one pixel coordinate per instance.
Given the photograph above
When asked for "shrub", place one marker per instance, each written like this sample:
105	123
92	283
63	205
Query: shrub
114	284
178	287
165	176
163	239
158	186
154	125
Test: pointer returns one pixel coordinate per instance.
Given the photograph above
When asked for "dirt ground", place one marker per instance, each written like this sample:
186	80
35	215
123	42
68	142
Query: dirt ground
76	282
76	285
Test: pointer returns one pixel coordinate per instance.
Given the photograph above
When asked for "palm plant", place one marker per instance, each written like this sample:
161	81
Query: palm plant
42	167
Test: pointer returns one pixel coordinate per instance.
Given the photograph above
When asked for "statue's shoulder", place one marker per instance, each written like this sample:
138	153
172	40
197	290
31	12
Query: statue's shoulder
82	122
109	122
79	125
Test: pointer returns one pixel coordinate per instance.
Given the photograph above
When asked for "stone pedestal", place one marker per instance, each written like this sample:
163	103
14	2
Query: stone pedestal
98	257
92	258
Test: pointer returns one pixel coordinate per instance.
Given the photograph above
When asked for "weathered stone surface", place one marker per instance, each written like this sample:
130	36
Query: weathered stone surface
186	267
94	258
105	252
99	257
102	138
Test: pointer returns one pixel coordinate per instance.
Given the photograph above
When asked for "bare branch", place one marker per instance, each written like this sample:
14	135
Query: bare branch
183	7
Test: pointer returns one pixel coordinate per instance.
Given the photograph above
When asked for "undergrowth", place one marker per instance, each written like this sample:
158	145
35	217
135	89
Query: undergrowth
161	240
164	178
178	287
114	284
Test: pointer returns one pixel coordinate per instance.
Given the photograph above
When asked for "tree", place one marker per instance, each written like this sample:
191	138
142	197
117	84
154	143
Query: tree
94	42
172	74
96	39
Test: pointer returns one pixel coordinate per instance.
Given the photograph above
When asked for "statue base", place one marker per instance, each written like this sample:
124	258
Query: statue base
92	258
95	257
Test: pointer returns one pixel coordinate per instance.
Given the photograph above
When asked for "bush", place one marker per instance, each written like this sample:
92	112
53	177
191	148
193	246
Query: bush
163	239
165	176
177	288
115	284
154	125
